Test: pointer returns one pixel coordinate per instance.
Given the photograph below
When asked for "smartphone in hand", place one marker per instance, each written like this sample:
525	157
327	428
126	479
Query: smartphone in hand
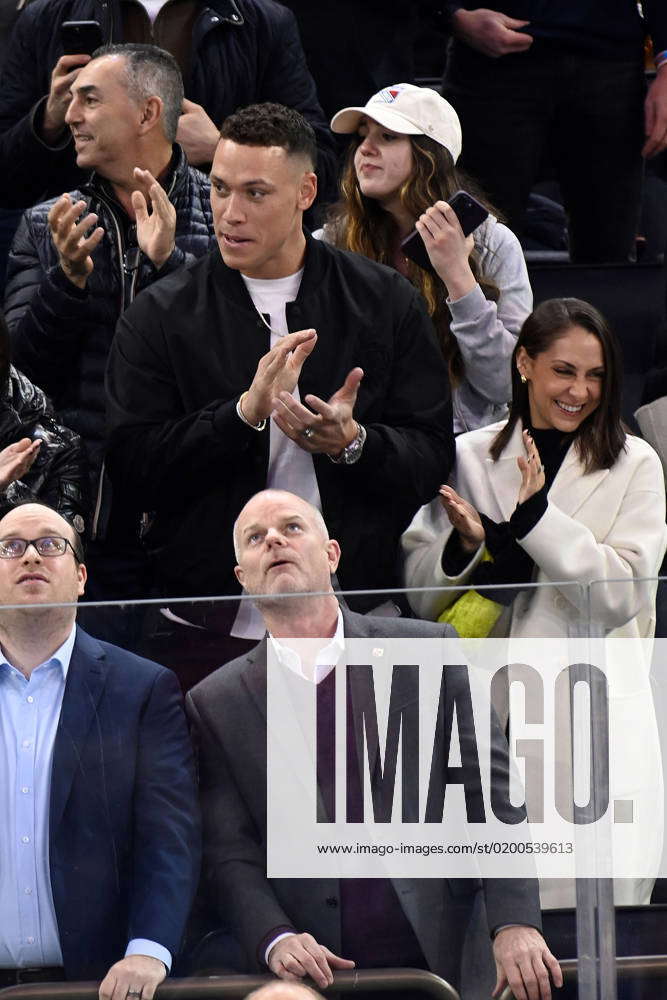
470	214
80	37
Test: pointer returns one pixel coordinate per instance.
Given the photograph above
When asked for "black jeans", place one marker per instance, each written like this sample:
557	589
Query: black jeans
583	111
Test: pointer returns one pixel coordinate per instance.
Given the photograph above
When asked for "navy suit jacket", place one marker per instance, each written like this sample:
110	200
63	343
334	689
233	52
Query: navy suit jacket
124	822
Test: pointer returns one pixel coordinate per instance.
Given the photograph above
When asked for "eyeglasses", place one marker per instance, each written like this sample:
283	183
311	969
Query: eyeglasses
49	545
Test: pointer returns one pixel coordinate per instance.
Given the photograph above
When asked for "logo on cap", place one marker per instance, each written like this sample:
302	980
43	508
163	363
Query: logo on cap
389	94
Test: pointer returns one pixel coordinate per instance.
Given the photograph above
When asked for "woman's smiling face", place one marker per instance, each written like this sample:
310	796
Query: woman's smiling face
565	382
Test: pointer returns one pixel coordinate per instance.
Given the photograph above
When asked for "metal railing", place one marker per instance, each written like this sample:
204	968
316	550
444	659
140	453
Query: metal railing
236	987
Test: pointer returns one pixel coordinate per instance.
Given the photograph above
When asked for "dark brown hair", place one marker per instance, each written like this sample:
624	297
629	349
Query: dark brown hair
600	437
361	224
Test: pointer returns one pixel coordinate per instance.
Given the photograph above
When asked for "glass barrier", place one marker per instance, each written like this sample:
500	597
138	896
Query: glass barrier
362	779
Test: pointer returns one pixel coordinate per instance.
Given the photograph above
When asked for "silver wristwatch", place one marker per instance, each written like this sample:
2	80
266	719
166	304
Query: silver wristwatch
352	453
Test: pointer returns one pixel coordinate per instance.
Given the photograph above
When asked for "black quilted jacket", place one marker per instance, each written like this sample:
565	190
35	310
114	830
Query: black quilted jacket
243	51
60	334
57	476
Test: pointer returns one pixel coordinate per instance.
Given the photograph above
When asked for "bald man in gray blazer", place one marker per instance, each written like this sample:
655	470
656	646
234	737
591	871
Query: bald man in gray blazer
301	927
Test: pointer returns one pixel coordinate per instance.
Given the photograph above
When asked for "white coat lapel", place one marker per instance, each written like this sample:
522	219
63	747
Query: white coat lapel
572	486
569	490
504	475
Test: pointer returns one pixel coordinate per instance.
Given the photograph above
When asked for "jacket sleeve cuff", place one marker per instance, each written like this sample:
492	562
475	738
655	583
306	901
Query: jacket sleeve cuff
177	258
469	307
58	278
143	946
454	557
270	939
528	513
442	13
226	422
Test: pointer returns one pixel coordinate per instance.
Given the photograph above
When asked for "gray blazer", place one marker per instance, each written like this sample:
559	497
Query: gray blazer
228	712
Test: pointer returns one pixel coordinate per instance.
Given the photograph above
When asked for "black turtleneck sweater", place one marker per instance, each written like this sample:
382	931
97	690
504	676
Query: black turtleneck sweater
511	564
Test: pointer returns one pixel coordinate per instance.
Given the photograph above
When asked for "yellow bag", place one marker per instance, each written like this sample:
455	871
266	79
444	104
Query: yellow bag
473	615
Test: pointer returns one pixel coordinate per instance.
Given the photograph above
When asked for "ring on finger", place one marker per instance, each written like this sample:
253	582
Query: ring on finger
308	432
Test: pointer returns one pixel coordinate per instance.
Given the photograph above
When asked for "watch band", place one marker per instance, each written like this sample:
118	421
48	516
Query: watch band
352	453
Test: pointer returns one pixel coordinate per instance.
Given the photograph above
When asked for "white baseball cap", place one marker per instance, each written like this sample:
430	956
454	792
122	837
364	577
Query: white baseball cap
408	110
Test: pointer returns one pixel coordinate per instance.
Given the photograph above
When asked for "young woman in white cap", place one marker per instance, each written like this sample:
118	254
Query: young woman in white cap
399	173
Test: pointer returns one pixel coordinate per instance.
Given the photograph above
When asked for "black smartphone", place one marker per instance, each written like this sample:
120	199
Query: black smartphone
80	37
470	214
469	211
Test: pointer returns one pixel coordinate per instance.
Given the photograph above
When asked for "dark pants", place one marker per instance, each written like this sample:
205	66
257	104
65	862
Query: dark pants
584	112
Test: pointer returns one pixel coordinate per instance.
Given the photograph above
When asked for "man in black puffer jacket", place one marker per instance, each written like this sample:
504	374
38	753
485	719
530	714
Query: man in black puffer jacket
77	262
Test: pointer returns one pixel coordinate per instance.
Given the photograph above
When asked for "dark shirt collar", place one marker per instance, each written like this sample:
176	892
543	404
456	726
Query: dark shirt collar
173	178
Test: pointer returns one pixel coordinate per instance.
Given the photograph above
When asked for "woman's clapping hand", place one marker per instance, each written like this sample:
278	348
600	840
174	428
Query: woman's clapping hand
464	518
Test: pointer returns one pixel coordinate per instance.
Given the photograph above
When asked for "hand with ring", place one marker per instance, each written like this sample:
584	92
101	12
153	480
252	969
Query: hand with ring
133	976
532	470
327	427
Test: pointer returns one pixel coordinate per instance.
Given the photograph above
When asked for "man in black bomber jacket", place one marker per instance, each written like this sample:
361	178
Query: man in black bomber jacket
340	349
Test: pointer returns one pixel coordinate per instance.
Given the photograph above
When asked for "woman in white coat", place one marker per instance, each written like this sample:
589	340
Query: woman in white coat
558	492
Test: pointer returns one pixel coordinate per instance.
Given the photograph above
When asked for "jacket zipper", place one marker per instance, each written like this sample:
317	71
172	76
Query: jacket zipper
127	265
119	245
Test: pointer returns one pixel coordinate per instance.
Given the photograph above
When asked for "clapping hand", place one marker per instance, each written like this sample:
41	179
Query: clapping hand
327	427
155	229
464	518
278	371
68	228
532	470
16	459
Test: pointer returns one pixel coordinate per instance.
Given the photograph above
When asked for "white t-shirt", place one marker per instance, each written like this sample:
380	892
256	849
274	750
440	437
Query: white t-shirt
290	467
152	7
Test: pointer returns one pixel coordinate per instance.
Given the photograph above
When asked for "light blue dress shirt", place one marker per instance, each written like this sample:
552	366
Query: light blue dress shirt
29	715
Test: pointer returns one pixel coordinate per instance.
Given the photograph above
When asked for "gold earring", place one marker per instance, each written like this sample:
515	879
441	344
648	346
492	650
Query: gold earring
523	378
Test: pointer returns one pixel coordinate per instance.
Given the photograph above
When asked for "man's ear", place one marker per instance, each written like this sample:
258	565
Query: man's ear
151	114
238	573
82	574
333	554
307	190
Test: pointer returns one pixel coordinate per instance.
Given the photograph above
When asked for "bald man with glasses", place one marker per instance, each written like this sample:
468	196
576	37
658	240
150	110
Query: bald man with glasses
99	832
